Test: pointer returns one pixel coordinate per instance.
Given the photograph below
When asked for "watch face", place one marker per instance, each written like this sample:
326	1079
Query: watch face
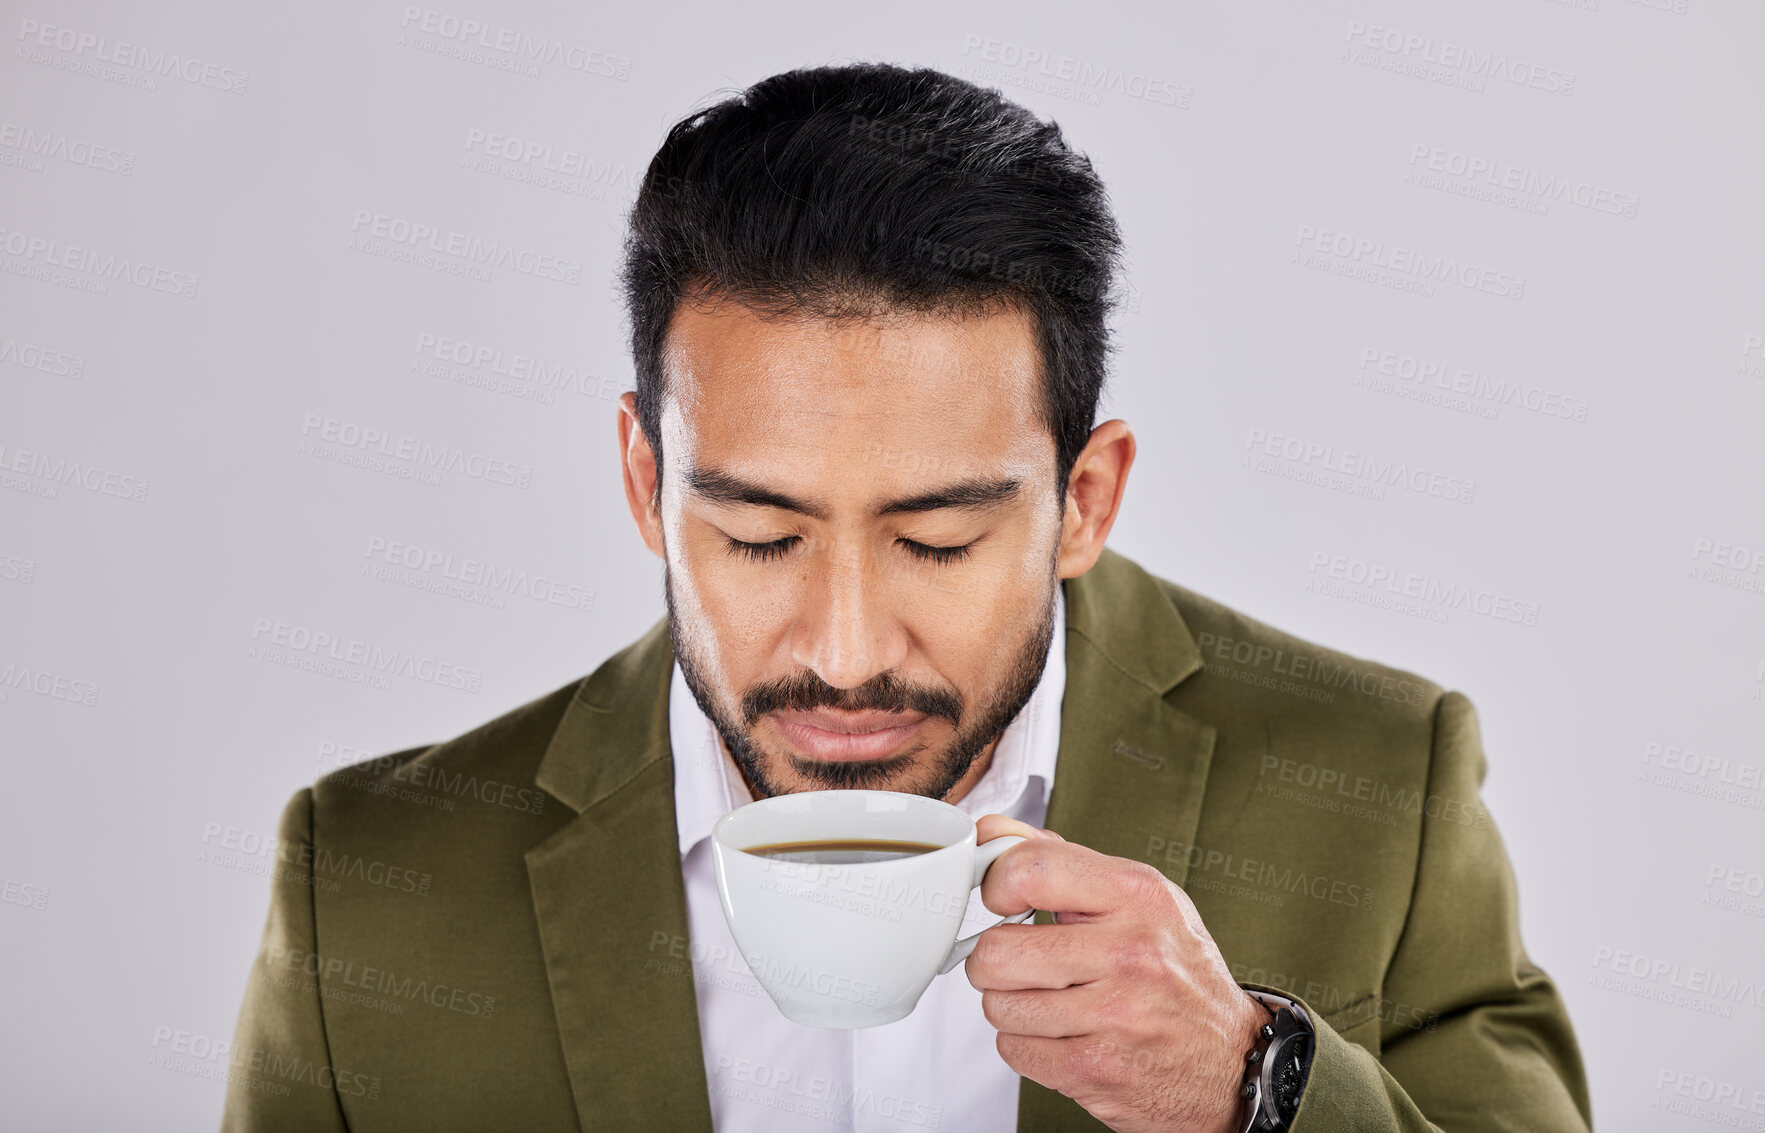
1287	1075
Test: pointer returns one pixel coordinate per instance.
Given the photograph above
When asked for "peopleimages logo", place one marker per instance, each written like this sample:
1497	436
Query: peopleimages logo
1751	366
1456	57
427	568
285	643
1337	673
335	439
37	473
338	972
464	249
34	356
1719	769
816	1096
1729	555
1518	179
1728	564
498	369
1365	253
102	49
548	158
24	571
23	894
42	252
1358	468
1716	989
33	144
1085	76
1440	592
257	1069
43	682
1257	872
514	43
1488	394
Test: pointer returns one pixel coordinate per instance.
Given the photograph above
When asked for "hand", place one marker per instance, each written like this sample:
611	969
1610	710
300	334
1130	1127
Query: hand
1124	1004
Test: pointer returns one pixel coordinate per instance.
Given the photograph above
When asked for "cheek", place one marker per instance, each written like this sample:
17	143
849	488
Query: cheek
986	593
741	607
968	638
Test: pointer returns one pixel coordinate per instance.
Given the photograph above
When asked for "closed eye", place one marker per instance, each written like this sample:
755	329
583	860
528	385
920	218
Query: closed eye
940	555
762	552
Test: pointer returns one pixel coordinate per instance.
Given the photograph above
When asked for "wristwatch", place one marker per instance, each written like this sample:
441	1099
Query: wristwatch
1276	1067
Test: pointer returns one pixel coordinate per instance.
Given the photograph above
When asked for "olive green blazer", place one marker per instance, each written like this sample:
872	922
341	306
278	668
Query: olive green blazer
491	933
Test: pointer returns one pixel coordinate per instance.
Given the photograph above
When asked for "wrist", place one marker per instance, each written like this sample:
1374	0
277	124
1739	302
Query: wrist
1251	1016
1248	1016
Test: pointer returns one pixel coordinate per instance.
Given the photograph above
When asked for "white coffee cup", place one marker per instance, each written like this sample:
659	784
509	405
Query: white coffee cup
850	945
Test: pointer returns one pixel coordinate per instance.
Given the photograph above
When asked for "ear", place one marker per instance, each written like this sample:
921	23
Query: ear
637	462
1094	495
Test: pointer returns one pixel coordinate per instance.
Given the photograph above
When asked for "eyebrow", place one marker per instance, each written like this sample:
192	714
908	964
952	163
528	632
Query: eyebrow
977	493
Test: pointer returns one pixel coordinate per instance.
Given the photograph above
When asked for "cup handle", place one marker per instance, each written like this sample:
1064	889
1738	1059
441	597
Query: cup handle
985	855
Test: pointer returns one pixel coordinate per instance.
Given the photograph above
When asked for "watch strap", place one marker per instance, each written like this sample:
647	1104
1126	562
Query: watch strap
1270	999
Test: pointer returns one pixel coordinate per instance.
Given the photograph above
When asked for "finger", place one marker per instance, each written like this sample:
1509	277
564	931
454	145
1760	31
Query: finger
1080	1065
991	826
1061	876
1010	957
1038	1012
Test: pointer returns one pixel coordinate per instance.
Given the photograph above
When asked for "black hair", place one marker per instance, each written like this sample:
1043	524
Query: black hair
851	191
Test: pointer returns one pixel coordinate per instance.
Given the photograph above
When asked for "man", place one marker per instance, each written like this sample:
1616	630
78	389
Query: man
868	317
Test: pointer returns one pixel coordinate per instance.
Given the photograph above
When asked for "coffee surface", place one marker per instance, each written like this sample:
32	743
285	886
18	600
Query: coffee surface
842	851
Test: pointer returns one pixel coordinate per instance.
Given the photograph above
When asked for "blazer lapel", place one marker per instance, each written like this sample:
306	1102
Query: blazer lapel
1132	767
611	903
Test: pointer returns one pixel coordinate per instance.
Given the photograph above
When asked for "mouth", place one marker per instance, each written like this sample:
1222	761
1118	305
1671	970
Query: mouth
841	736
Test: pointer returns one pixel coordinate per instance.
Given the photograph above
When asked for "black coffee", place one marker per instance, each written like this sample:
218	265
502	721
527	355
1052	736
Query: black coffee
842	851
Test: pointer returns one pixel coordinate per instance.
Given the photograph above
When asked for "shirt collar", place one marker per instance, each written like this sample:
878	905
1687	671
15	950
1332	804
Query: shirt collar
707	784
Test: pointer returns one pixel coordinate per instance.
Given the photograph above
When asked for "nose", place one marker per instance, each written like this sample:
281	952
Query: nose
846	627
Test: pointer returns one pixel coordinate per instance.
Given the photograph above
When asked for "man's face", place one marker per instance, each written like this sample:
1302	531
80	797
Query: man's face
861	531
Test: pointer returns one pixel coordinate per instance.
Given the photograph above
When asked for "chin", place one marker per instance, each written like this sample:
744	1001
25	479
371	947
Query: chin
895	773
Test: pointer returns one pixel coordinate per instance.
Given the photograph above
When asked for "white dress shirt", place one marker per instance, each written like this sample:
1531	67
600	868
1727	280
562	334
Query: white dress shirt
938	1068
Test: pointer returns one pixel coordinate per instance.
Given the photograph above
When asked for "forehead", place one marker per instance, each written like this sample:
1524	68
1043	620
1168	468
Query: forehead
903	397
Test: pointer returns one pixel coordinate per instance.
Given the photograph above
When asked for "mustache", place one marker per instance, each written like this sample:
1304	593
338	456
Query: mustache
883	692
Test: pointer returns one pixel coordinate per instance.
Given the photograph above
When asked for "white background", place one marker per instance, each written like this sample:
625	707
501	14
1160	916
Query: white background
135	721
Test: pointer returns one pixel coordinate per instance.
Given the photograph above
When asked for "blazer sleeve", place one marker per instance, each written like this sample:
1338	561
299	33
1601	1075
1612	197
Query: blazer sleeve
1472	1034
280	1075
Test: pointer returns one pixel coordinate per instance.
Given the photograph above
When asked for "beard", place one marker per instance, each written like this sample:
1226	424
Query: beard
906	771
